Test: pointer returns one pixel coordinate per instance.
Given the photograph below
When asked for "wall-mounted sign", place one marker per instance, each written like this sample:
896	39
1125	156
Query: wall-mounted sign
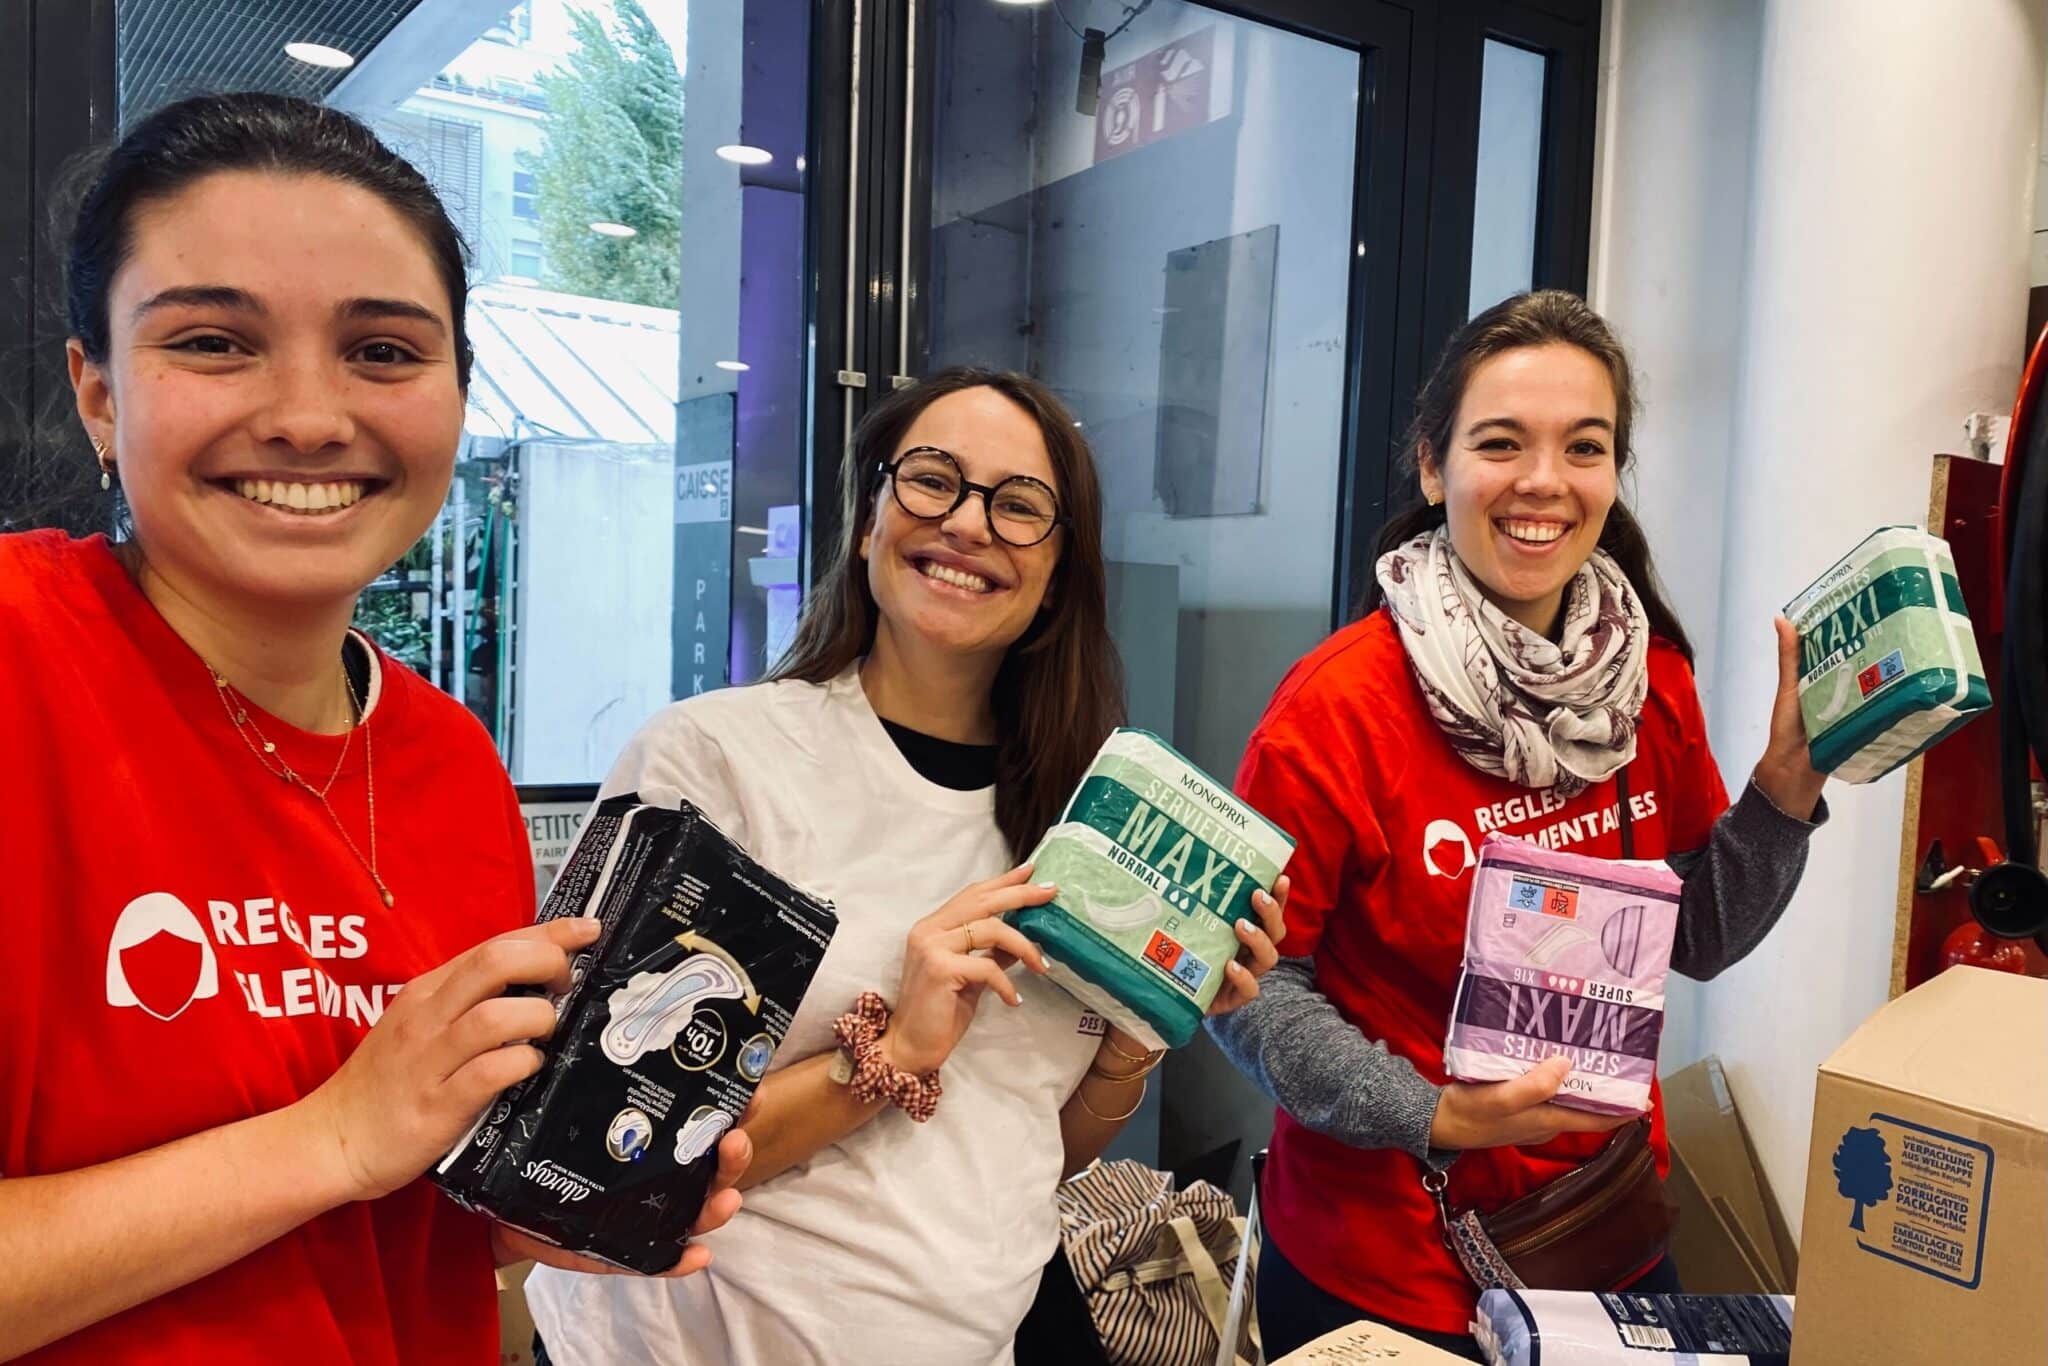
554	818
1168	90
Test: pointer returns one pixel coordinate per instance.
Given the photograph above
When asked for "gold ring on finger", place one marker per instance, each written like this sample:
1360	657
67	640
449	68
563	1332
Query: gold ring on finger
971	945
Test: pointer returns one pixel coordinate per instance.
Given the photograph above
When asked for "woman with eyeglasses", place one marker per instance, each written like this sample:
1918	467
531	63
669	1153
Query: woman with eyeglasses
950	681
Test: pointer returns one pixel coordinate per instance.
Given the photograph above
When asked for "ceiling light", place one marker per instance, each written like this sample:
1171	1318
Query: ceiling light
1020	3
319	54
739	154
604	229
736	366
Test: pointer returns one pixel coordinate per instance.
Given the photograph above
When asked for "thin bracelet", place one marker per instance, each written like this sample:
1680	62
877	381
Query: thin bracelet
1080	1095
1096	1071
1110	1044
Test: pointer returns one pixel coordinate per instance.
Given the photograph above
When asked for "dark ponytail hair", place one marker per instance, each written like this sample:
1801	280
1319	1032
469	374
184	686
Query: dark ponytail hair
1060	690
187	141
1537	319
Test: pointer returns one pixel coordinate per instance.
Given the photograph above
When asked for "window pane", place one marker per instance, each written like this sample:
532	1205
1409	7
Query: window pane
1174	265
580	575
1510	167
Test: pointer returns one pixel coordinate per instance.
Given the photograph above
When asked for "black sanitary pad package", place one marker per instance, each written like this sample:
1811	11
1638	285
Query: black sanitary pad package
667	1027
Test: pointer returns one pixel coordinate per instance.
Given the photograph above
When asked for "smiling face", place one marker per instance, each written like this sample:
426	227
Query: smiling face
1530	475
279	394
950	585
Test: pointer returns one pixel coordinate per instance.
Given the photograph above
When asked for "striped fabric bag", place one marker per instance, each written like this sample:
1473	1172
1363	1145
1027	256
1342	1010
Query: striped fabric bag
1155	1264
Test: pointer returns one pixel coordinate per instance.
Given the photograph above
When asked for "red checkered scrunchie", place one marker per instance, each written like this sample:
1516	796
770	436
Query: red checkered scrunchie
859	1032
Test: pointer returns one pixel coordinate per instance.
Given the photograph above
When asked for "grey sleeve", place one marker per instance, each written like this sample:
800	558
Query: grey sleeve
1317	1066
1738	886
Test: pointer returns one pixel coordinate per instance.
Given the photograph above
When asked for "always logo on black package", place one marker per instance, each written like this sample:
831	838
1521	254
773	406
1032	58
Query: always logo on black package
668	1025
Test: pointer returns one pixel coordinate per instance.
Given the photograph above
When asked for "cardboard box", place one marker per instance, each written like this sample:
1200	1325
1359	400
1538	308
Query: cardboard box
1366	1342
515	1325
1926	1236
1731	1238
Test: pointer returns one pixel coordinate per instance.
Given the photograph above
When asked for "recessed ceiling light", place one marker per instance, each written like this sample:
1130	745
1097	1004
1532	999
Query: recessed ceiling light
319	54
736	366
739	154
1020	3
605	229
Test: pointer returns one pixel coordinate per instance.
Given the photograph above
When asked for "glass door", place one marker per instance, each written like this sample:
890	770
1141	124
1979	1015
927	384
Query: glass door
1164	211
1152	211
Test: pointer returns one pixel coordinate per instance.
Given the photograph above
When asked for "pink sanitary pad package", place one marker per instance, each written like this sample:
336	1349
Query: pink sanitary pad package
1565	955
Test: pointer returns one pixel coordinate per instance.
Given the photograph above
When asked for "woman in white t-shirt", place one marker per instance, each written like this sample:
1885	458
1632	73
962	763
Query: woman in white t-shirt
950	681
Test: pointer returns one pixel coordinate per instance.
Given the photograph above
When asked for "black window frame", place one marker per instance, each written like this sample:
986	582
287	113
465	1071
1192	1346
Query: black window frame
530	194
1417	137
57	69
1418	141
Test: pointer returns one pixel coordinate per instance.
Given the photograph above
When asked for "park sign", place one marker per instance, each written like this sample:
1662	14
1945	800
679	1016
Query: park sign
1926	1229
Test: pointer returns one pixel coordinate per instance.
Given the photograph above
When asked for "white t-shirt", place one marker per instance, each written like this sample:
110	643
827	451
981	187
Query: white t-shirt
912	1244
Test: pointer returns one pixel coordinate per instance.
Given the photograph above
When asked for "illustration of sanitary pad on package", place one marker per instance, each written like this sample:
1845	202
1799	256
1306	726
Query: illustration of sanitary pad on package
1888	664
1565	956
670	1022
1155	863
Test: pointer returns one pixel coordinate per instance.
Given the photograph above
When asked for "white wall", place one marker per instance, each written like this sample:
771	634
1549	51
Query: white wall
2039	269
1671	200
1817	346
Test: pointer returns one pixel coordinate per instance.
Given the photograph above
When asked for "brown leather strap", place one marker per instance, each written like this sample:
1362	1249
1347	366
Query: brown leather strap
1594	1228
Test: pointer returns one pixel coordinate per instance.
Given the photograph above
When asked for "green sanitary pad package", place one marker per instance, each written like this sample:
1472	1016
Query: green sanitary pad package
1888	666
1155	863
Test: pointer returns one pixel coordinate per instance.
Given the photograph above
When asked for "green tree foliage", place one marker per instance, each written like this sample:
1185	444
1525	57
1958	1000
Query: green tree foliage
385	614
614	153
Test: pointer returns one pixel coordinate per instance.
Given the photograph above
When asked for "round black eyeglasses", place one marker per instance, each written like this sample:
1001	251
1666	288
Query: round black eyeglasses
928	484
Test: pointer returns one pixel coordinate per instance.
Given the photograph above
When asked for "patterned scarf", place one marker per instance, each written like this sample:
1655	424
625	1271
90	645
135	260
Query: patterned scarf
1545	715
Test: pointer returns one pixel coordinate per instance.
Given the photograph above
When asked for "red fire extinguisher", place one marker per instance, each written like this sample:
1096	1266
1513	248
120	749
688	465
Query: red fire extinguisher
2010	900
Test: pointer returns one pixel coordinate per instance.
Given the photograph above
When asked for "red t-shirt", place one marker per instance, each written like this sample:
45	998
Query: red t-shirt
1389	819
190	944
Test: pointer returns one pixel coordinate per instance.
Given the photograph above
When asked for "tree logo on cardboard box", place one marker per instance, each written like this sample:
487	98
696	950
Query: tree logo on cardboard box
1863	1171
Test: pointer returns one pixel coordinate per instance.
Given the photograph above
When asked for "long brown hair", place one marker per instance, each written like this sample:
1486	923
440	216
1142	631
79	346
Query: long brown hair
1537	319
1060	690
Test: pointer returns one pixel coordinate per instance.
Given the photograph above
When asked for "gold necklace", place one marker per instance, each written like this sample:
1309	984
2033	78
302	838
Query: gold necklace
276	765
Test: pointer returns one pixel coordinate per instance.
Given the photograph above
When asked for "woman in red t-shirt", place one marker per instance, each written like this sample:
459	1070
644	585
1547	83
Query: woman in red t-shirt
1521	658
236	829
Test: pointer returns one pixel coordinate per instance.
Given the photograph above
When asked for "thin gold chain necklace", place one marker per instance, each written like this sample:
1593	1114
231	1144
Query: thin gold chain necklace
274	763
